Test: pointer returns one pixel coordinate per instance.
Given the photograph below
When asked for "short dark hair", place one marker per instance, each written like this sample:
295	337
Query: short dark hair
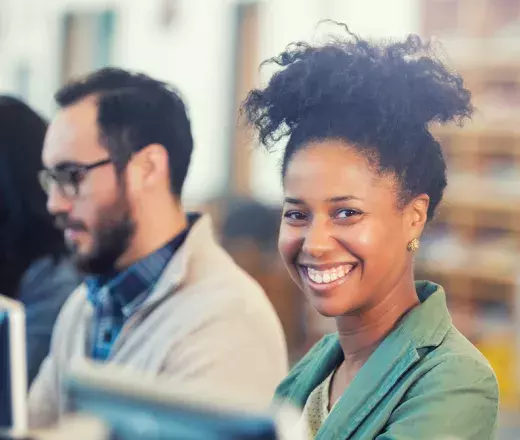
27	232
378	97
134	111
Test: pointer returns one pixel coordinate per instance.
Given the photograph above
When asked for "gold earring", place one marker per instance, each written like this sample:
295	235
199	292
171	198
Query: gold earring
413	245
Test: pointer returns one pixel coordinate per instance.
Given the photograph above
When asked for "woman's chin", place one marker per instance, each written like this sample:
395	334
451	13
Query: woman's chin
331	307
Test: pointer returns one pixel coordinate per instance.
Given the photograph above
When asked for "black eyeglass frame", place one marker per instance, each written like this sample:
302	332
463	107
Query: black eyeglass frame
68	181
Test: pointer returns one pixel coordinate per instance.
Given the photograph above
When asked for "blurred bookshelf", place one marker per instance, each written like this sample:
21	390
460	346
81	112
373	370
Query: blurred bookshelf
473	247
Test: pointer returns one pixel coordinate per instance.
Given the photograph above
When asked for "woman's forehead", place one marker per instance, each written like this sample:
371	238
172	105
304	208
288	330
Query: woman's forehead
330	169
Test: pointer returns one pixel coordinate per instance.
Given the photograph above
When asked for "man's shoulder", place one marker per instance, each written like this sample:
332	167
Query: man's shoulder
213	270
215	291
226	291
202	260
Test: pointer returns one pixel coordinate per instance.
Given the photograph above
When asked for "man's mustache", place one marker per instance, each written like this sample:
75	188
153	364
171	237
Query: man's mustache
62	222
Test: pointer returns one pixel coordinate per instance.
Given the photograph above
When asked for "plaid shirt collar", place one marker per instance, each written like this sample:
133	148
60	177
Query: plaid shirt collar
128	289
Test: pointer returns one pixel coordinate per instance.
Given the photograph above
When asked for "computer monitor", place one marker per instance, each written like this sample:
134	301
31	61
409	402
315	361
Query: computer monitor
136	408
13	368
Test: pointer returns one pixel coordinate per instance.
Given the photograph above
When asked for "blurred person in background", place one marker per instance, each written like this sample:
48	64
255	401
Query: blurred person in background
362	176
162	297
249	232
34	268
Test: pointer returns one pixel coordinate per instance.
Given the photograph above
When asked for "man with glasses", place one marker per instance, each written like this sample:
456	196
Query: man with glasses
161	296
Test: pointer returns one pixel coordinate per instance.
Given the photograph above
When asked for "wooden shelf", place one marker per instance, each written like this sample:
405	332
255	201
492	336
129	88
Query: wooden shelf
458	215
497	206
489	276
477	282
479	142
470	130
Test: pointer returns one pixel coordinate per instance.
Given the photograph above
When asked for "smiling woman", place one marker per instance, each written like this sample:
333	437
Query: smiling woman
362	176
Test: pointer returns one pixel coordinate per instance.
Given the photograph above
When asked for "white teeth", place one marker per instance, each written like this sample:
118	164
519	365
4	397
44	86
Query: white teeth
329	275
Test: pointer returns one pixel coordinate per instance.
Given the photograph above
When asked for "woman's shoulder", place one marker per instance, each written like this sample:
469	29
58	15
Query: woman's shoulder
438	343
456	363
456	348
453	382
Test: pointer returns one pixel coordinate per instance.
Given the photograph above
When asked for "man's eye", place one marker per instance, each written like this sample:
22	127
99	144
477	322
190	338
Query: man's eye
67	176
75	176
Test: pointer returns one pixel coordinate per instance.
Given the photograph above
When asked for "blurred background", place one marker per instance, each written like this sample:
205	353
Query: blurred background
211	50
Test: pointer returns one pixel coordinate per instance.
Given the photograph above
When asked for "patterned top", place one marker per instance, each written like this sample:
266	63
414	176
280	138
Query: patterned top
115	297
316	409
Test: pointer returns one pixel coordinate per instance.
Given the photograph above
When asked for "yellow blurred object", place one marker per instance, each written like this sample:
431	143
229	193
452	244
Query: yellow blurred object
500	350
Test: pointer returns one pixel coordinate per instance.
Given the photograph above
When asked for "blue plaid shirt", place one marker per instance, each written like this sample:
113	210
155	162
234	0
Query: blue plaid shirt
117	296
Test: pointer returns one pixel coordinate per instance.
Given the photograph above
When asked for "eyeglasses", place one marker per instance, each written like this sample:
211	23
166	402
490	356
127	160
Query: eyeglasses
68	177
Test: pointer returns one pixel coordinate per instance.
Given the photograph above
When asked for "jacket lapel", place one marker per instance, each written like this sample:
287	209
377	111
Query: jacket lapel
316	371
391	360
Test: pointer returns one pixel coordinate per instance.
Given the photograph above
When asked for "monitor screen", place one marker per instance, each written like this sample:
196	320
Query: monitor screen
6	407
13	367
134	411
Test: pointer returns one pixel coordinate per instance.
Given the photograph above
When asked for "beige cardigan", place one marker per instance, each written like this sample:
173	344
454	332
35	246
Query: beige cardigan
206	323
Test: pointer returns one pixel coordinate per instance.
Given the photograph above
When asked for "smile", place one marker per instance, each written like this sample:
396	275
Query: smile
329	275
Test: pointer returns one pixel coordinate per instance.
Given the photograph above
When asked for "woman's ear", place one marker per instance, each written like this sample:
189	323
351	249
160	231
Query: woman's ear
417	215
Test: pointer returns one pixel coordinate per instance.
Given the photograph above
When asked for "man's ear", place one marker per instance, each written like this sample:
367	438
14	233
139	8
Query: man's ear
148	168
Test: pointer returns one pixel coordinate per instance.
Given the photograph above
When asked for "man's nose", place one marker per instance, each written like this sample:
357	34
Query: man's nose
56	201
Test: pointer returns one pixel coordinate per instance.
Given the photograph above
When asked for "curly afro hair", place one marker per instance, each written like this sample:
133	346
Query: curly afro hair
378	97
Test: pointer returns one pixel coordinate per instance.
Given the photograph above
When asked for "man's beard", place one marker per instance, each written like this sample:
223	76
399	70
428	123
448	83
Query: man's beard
110	239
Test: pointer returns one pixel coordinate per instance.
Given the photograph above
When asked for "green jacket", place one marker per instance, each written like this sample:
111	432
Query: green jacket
424	381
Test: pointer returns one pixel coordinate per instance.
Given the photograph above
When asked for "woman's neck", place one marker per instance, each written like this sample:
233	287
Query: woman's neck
361	333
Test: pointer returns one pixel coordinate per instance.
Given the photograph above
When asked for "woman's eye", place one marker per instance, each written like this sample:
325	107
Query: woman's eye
295	215
346	213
